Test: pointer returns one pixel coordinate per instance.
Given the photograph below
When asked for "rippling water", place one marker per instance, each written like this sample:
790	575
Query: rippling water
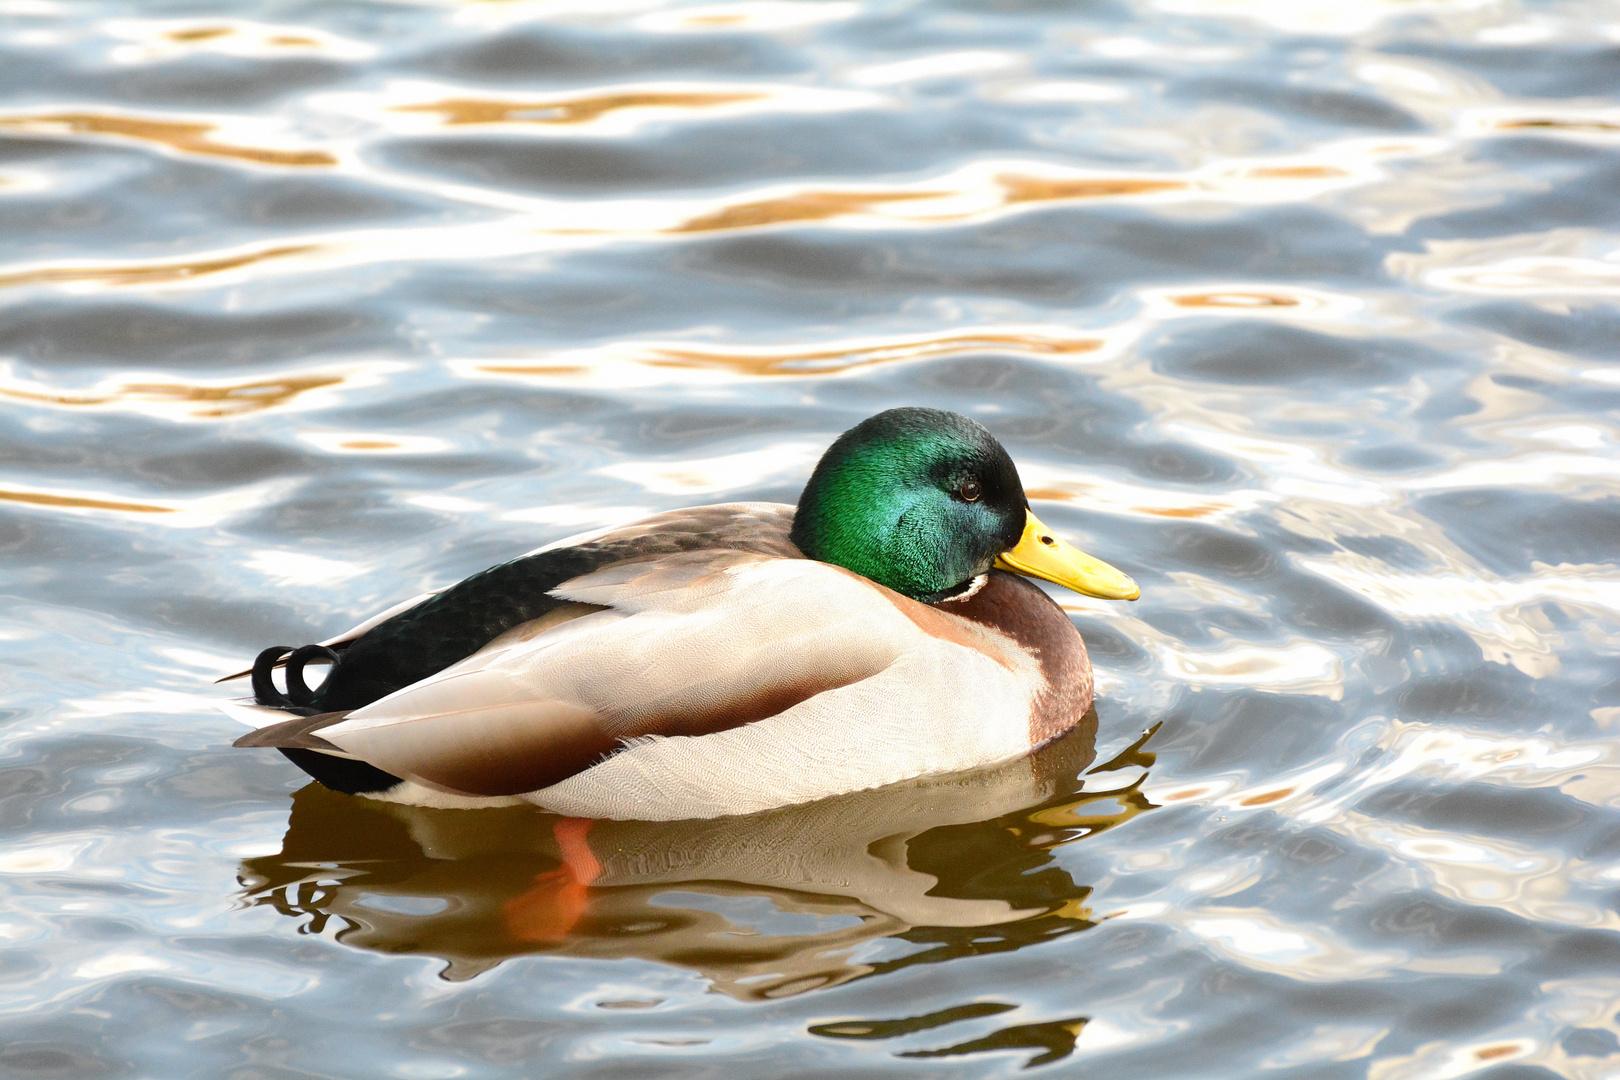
1302	313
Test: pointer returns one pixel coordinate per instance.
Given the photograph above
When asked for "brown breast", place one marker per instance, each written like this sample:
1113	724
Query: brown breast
1018	608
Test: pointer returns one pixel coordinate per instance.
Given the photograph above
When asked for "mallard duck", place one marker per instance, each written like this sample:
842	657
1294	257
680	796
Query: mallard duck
721	659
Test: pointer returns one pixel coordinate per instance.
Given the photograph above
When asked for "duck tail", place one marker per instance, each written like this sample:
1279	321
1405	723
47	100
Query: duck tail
298	697
298	741
297	733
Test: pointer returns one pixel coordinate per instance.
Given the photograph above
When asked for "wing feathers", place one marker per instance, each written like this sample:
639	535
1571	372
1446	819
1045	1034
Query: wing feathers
501	749
529	711
683	582
937	709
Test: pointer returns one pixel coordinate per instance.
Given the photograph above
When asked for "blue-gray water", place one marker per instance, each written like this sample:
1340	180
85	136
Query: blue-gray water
1303	312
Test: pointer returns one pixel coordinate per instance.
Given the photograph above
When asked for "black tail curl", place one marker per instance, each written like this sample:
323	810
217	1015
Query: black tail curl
350	776
299	697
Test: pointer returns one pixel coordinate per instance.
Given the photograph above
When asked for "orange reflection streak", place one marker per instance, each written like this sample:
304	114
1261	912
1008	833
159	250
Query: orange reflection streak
1267	797
1297	172
460	111
1234	300
1022	189
78	502
805	206
1558	125
199	33
827	361
1065	495
188	136
210	402
148	273
537	370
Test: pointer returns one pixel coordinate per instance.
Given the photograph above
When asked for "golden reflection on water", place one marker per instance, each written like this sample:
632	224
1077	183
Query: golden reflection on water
198	33
801	206
1084	493
750	15
845	358
153	41
81	502
716	20
797	361
1548	123
1233	300
571	110
373	442
969	193
1023	189
1297	172
538	371
202	401
987	188
149	273
191	137
478	887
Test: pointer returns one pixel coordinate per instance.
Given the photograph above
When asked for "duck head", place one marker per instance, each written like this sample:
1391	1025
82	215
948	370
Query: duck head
924	501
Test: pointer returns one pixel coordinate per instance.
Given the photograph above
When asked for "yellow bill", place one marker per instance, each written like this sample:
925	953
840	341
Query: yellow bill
1041	554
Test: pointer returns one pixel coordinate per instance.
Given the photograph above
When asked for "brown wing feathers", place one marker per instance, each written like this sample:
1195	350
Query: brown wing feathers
448	626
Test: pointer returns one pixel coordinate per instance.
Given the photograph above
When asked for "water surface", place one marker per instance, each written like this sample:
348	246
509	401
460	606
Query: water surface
1303	314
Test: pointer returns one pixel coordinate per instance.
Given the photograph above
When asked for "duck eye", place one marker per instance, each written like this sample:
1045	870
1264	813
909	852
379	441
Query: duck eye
970	491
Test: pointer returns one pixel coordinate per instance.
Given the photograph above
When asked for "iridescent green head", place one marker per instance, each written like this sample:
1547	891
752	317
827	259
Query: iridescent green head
920	500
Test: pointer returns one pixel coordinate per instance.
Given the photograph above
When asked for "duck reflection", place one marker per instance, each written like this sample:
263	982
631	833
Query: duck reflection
764	906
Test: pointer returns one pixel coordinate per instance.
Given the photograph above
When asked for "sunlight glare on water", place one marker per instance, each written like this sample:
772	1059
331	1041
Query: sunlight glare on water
1302	314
